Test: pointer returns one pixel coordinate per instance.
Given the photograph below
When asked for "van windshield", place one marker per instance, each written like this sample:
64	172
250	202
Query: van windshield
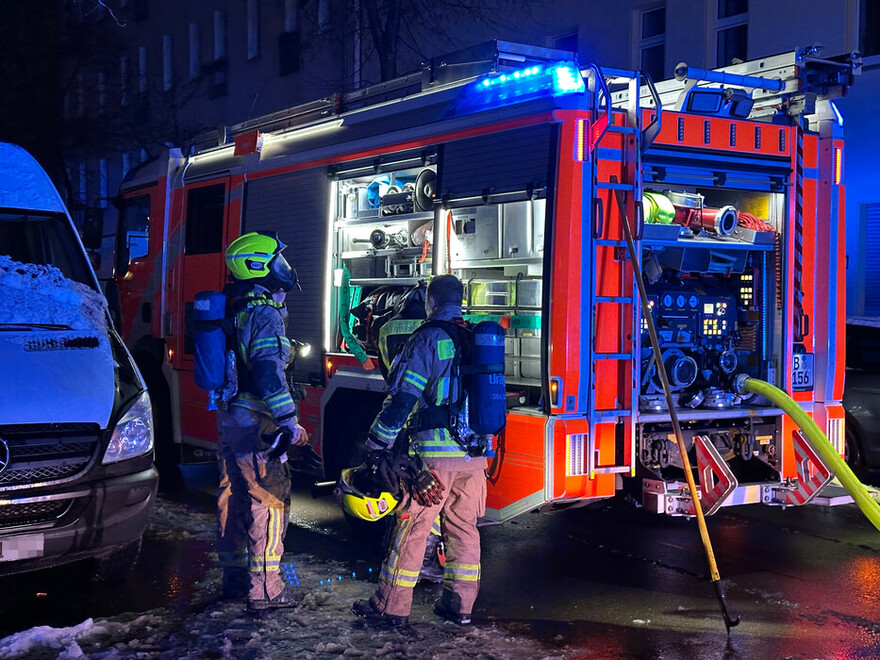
44	238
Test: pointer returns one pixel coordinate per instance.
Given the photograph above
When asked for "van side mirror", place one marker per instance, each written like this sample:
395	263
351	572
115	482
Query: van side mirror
93	228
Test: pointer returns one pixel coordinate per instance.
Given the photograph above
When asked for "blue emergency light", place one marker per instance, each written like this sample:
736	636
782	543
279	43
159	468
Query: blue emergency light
537	81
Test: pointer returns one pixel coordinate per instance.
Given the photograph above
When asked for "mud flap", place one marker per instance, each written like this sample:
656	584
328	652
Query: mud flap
717	481
813	475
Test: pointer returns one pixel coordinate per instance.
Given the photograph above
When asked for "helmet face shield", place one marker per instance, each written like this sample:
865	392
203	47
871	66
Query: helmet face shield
281	272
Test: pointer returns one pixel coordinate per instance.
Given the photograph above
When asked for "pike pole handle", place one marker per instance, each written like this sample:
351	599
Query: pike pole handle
729	622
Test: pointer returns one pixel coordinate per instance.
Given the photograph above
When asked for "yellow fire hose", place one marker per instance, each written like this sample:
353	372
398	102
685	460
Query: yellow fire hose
818	442
729	621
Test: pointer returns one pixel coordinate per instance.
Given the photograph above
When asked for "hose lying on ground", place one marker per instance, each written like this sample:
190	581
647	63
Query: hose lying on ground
818	442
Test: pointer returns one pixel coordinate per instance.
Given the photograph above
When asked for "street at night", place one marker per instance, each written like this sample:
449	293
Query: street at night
605	581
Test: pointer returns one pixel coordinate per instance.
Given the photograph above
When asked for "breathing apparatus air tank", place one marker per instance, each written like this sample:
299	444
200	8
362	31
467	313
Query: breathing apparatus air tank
209	312
487	406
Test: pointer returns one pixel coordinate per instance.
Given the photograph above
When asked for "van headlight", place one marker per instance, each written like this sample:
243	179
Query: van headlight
133	435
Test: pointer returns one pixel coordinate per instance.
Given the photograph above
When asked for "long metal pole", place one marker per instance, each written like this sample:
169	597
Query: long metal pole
670	403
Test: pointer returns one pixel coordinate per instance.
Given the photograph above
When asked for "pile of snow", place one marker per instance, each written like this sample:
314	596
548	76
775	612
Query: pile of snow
38	293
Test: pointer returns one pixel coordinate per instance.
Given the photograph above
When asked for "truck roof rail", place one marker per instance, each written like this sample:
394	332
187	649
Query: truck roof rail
786	84
453	69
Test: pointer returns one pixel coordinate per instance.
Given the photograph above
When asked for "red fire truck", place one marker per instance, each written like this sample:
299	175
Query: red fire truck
514	168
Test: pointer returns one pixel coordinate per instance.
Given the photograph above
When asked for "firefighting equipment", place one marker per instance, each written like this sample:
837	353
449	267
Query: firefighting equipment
386	469
729	621
690	212
817	440
426	488
487	395
210	334
257	256
309	458
353	482
657	208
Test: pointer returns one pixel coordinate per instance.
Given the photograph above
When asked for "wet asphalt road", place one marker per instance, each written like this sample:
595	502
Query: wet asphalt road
608	579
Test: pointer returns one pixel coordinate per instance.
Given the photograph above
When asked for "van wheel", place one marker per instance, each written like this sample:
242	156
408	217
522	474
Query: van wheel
115	566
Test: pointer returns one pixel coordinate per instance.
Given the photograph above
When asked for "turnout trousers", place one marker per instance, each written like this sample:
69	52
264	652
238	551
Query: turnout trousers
253	505
463	502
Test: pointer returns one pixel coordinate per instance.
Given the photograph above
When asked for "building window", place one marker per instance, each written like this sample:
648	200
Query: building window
142	70
290	22
167	62
253	29
102	91
731	32
195	47
80	94
869	28
219	34
123	81
288	41
103	183
141	10
652	42
323	16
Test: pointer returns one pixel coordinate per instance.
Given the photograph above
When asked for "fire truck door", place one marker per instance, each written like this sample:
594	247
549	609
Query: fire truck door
200	268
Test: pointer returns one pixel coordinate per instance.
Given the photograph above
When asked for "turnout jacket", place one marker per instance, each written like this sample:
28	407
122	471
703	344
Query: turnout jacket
421	376
262	351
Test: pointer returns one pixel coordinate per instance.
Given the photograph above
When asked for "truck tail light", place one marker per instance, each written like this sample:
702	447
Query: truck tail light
838	165
580	140
555	391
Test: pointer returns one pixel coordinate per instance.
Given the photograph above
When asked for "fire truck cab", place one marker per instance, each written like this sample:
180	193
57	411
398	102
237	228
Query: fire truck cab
515	168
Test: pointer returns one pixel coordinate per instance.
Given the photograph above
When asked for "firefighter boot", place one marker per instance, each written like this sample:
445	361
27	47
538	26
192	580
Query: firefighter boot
432	569
286	598
449	608
367	611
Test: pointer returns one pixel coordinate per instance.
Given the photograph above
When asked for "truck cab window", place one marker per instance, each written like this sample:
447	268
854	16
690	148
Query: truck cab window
204	219
134	233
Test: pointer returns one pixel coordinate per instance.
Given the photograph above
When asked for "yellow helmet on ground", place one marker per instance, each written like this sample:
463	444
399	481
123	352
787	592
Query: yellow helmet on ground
358	504
257	256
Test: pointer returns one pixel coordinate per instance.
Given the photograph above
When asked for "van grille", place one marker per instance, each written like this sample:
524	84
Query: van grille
47	453
31	513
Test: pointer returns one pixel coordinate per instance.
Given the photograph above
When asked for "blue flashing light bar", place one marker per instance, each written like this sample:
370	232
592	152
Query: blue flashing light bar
537	81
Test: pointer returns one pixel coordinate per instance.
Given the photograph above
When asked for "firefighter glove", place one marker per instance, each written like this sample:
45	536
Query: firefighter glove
386	469
279	443
426	488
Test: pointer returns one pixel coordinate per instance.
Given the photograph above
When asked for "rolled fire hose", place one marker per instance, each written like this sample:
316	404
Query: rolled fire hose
344	315
818	442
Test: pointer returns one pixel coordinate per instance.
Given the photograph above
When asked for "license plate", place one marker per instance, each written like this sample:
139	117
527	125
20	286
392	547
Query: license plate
802	371
16	548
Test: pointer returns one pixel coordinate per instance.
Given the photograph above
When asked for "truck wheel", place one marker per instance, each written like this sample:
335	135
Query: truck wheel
852	454
115	566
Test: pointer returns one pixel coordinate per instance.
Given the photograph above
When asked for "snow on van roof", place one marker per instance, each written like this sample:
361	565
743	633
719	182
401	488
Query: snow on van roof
40	294
24	184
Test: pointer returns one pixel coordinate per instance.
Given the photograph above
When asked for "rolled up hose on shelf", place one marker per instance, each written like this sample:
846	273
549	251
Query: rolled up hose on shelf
820	444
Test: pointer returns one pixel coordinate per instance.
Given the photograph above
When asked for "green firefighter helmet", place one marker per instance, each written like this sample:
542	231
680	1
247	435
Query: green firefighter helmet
257	256
359	504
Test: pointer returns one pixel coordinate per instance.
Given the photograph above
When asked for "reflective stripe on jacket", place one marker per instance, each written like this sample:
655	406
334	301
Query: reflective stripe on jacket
422	373
263	351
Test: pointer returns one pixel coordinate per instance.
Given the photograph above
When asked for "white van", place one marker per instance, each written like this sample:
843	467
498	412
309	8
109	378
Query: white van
76	431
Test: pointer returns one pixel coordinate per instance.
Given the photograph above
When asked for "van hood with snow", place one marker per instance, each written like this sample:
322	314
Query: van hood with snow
57	360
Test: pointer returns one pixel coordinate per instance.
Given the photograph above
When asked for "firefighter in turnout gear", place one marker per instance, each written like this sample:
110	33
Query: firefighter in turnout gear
423	386
257	427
